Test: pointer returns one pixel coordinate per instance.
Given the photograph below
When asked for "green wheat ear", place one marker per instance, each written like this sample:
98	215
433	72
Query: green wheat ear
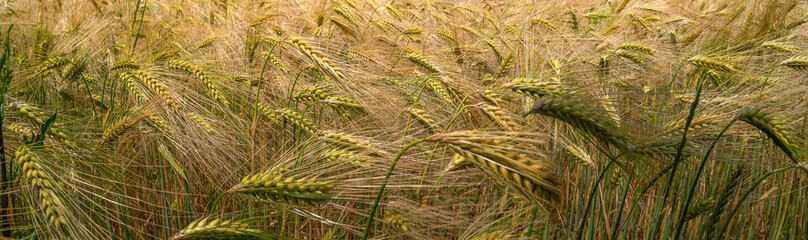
781	133
41	180
582	116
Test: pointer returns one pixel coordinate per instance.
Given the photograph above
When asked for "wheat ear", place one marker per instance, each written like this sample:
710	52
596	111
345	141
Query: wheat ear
780	133
798	63
40	179
208	228
204	76
583	116
533	177
272	185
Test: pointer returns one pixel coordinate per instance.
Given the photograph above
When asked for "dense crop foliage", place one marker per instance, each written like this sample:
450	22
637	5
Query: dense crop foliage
429	119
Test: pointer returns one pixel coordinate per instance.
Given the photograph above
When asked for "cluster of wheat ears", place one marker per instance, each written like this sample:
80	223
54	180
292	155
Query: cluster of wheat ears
403	119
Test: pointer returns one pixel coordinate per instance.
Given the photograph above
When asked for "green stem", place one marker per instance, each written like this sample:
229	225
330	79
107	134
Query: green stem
292	90
646	187
384	184
5	79
745	195
766	81
446	129
696	179
137	34
622	206
216	203
532	221
670	85
255	108
681	145
591	197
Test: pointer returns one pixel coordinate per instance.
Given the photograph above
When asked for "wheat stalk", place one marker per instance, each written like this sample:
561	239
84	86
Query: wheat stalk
502	118
53	63
20	129
202	122
350	142
688	38
458	162
127	64
344	12
494	48
392	11
780	47
399	222
207	42
157	123
423	62
275	61
696	124
314	94
27	112
494	235
321	61
292	116
505	65
446	36
115	130
544	23
638	48
629	56
699	208
344	104
133	87
343	155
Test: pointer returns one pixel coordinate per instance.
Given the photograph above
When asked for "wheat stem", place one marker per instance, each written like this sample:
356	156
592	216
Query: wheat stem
746	195
384	184
591	196
681	145
692	190
255	108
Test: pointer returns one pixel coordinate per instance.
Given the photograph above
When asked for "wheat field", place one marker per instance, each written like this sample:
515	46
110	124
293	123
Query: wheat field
403	119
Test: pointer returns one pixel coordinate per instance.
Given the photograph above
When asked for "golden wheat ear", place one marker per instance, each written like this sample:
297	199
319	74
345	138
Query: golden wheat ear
218	228
797	63
272	185
498	155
